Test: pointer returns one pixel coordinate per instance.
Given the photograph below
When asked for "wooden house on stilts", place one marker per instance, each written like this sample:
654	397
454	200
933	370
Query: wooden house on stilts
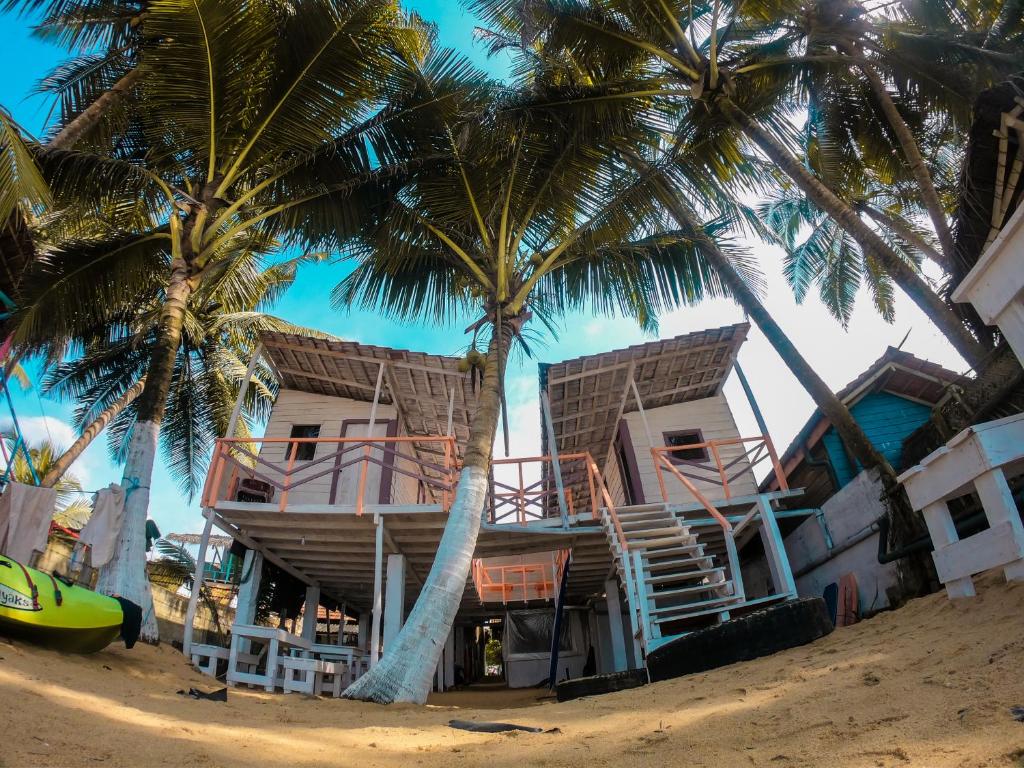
630	519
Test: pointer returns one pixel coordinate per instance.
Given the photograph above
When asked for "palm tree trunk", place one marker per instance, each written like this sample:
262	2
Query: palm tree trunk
91	116
407	668
125	574
912	153
902	273
90	433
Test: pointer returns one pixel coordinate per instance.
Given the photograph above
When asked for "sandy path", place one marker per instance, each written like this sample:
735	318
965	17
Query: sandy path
928	685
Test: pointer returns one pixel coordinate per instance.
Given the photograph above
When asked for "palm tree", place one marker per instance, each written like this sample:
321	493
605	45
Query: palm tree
93	89
225	319
250	128
529	215
739	77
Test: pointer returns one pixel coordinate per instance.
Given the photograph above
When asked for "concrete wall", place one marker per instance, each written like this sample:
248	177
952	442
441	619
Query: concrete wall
714	419
847	513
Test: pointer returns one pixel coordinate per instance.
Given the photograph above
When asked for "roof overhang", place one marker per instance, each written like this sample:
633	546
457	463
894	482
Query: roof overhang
422	387
588	395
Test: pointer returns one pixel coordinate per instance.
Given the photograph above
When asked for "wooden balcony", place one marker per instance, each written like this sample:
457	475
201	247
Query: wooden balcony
332	474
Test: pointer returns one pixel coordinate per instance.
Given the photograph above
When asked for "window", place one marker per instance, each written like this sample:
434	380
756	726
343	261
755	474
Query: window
685	437
304	451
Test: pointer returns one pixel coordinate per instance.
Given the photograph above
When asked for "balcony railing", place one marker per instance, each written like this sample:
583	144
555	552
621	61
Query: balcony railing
715	470
505	582
518	495
241	469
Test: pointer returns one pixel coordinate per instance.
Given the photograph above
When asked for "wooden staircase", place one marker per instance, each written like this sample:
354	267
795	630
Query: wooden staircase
677	578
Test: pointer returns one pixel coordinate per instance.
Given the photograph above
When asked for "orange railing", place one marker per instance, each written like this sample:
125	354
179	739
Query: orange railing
347	461
715	470
539	580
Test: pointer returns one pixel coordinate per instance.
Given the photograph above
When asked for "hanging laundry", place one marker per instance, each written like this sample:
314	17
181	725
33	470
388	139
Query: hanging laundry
104	525
25	514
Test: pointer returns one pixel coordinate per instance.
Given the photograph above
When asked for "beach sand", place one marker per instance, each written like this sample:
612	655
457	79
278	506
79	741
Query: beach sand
931	684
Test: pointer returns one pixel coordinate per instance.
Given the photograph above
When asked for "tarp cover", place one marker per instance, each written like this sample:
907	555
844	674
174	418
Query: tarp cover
530	632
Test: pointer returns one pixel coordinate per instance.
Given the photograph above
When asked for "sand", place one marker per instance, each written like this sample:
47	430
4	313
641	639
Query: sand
931	684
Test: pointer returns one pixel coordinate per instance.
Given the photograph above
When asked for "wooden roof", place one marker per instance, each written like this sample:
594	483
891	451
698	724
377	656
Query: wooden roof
588	395
418	384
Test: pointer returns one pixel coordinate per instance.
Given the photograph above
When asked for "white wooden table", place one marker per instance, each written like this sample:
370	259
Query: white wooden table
275	640
978	459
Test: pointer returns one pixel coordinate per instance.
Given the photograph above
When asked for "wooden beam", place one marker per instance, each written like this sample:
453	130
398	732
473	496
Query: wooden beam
330	379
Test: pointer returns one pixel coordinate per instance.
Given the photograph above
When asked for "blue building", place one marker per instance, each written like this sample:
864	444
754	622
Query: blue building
890	400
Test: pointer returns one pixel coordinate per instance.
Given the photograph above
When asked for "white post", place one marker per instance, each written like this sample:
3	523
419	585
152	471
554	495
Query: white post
309	612
364	629
237	410
394	599
197	583
640	407
556	466
439	675
997	501
615	626
376	399
248	590
377	564
775	551
449	659
451	410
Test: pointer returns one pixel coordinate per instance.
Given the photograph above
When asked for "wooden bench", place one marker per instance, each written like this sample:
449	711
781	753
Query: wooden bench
205	657
978	460
304	674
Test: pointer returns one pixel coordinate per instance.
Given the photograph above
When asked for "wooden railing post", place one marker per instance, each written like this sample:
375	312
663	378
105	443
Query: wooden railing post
721	470
293	449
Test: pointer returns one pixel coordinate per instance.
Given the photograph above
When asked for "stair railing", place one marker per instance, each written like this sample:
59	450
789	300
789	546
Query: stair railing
661	461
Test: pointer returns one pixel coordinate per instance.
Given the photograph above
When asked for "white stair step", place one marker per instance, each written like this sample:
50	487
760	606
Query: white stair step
684	576
639	509
693	614
639	535
696	550
667	522
690	609
667	541
695	589
680	565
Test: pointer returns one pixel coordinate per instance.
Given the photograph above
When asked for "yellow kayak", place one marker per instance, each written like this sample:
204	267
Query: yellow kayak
45	609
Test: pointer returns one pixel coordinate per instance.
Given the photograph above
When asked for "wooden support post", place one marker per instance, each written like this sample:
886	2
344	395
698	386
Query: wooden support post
394	600
775	550
758	417
640	408
943	533
1000	509
615	626
378	562
449	659
309	613
197	584
556	466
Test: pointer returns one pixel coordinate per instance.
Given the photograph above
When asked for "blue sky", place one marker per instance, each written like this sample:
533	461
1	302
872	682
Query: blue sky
837	354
